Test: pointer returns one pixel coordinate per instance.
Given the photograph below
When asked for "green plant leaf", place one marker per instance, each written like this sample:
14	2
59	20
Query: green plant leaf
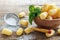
37	11
31	8
34	12
31	17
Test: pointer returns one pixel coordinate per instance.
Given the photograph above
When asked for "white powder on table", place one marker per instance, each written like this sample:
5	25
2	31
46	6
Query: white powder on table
11	21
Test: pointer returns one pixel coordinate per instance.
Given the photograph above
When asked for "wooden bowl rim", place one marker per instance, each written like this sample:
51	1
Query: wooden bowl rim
48	19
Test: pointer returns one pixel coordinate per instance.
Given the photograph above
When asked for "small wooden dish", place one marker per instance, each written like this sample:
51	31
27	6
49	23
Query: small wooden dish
54	23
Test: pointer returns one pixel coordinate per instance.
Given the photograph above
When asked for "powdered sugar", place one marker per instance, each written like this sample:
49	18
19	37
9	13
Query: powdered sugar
11	21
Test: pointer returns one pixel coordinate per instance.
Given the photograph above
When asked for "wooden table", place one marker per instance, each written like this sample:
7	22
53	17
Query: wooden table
32	36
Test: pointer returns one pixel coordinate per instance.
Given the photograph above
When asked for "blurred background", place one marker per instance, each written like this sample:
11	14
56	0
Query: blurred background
15	6
12	5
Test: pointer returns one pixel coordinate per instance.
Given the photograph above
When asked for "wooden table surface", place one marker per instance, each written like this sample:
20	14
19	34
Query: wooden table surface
32	36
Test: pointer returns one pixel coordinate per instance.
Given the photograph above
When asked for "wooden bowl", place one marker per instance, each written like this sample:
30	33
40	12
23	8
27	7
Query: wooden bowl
47	23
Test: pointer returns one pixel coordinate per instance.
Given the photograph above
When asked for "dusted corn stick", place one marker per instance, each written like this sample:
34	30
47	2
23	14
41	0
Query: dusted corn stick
43	15
24	22
21	15
6	31
52	6
52	12
19	31
47	7
58	31
28	30
49	17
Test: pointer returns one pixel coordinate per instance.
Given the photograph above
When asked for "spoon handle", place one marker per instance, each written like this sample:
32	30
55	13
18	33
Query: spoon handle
41	30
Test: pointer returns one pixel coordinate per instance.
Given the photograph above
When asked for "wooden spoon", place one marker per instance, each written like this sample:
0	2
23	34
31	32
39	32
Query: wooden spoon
42	30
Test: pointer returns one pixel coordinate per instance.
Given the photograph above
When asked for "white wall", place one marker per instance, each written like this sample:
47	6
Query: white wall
14	5
27	2
20	2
